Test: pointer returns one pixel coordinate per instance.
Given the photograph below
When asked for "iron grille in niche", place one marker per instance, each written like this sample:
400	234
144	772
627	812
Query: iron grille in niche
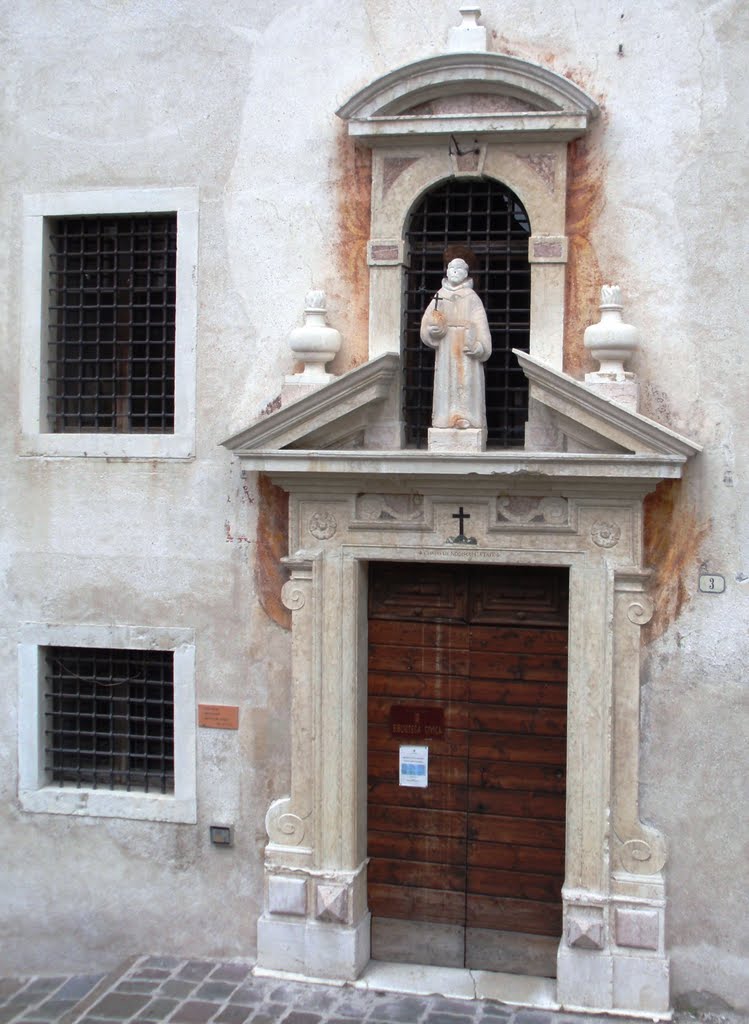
484	222
111	317
109	718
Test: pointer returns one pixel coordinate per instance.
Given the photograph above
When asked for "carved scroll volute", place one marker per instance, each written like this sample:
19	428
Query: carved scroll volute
288	821
639	849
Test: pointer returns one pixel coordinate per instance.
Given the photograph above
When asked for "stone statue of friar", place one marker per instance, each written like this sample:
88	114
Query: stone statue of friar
455	325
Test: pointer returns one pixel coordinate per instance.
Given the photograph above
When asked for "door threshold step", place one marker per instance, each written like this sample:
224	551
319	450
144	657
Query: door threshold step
459	983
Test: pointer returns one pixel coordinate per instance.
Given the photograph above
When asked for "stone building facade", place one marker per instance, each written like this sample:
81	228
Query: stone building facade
194	520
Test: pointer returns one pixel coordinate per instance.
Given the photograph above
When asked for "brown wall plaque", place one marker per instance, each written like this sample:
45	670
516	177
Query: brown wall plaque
218	716
411	722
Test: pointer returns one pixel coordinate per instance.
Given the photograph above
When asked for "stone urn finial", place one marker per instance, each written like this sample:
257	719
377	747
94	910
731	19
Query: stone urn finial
611	341
314	344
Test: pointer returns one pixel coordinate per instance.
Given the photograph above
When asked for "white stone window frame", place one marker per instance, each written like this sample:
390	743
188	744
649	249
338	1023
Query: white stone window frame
37	210
36	793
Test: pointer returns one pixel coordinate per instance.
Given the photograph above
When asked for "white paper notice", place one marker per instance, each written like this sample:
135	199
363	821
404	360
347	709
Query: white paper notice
414	766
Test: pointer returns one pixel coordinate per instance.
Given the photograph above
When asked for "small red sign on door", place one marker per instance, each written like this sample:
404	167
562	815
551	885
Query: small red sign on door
418	723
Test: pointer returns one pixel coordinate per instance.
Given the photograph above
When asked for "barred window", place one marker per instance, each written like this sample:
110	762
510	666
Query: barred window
483	222
111	321
109	718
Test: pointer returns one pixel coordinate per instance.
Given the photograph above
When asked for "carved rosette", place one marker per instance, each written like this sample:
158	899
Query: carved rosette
323	525
604	534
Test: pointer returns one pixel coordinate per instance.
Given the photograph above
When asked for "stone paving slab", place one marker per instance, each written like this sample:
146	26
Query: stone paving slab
170	990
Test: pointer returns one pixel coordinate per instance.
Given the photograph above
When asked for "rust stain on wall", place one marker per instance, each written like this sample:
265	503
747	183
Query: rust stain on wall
672	537
348	287
585	201
272	534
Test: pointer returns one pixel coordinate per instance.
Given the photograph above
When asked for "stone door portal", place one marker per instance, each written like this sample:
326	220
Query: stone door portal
469	662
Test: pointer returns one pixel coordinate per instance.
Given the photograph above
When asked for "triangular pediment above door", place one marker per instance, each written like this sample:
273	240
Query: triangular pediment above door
598	438
595	423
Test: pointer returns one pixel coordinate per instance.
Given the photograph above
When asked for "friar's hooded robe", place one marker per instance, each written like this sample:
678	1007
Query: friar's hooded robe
459	400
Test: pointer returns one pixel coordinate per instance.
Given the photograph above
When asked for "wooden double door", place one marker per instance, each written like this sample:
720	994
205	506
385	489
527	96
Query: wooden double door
469	662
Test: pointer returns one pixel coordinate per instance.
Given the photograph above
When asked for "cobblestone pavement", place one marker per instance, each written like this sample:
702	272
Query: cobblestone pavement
155	989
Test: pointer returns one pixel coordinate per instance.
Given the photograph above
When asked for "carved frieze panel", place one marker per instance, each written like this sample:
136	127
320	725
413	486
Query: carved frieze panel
526	512
383	511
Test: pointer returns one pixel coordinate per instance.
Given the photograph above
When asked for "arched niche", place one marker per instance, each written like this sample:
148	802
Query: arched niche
468	114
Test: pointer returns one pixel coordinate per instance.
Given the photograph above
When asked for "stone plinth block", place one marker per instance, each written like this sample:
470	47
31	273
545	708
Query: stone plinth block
287	895
293	388
636	929
445	439
641	984
626	392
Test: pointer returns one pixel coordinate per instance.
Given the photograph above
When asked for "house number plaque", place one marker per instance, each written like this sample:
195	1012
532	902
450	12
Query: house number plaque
712	584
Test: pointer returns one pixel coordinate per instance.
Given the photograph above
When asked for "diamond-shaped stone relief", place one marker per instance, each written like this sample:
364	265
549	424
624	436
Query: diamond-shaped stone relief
585	928
332	903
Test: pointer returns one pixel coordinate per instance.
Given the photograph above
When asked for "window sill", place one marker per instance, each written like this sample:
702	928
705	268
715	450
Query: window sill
109	446
98	803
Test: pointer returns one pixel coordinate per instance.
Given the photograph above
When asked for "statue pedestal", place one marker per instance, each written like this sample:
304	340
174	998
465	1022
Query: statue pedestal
450	439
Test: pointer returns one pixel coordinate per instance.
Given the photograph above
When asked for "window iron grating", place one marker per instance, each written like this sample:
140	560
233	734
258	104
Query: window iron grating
485	223
111	324
109	718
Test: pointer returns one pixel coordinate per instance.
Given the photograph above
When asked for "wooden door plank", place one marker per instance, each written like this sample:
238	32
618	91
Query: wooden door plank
434	796
515	857
407	846
508	775
539	750
422	874
515	720
442	661
495	828
421	686
515	692
517	804
416	904
511	915
544	668
515	884
514	639
417	821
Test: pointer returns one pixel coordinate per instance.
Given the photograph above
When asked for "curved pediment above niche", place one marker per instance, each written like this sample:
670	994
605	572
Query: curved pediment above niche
472	103
489	95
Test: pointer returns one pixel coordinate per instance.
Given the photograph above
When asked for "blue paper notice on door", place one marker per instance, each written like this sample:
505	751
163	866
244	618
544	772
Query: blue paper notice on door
414	767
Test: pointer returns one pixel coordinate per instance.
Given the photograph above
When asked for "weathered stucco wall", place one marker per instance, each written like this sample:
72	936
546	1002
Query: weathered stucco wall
238	99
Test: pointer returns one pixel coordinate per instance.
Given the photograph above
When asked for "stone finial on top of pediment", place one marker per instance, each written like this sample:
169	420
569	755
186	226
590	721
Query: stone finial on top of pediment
469	36
314	344
612	342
